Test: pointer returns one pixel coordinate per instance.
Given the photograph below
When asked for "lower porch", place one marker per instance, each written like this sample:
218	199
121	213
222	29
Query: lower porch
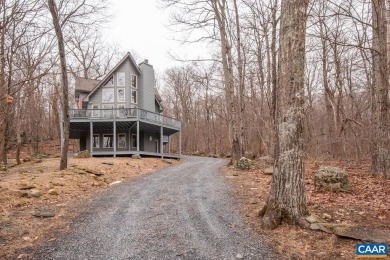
125	138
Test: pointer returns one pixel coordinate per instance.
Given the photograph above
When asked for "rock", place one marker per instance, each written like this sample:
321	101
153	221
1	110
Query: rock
266	159
239	256
250	155
27	159
25	187
115	182
332	179
136	156
36	193
269	170
108	163
166	161
38	161
24	194
326	216
313	218
244	163
155	166
252	201
82	154
43	214
356	232
26	238
53	192
96	184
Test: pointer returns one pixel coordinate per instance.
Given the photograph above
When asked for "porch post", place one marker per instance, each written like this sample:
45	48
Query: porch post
169	144
91	137
137	135
161	142
180	143
114	138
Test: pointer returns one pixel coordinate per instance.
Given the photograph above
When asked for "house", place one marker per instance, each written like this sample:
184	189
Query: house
121	114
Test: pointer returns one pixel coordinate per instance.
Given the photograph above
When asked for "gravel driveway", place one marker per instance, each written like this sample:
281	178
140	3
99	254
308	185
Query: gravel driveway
180	212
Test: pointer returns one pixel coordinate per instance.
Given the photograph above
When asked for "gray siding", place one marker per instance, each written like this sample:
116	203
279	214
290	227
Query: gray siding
146	93
150	146
129	69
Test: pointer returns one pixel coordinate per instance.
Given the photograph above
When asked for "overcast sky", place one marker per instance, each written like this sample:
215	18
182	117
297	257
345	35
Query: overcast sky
141	26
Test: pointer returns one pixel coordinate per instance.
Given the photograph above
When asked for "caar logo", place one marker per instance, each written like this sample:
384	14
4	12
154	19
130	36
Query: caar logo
371	250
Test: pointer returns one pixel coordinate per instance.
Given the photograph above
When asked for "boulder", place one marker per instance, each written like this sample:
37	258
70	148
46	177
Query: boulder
166	161
82	154
250	155
53	192
356	232
43	214
333	179
266	159
244	163
269	170
136	156
36	193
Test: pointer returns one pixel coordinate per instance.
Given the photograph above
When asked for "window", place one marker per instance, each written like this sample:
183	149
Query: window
134	96
108	110
134	81
110	82
121	140
107	141
120	95
107	95
96	141
133	141
95	111
121	79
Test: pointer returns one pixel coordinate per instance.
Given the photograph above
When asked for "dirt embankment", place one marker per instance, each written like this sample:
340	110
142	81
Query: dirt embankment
38	188
367	205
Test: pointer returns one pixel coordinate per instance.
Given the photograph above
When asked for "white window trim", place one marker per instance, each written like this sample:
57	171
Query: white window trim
136	81
124	95
136	96
104	90
112	136
118	77
123	134
93	137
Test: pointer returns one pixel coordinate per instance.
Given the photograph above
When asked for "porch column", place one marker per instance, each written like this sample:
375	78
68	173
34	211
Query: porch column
161	142
91	137
137	135
114	138
169	144
180	143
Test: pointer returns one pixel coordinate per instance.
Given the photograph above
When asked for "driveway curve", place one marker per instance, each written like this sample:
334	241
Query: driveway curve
180	212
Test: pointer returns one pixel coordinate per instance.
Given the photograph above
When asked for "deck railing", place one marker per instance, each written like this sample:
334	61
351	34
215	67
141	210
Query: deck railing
124	113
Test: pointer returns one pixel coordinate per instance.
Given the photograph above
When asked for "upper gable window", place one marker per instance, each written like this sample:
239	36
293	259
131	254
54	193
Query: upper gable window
134	81
110	82
120	79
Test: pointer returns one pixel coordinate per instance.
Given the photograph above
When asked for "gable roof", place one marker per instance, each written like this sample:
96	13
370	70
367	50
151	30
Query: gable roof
127	56
85	85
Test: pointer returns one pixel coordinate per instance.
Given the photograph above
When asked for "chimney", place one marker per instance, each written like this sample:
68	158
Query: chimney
146	61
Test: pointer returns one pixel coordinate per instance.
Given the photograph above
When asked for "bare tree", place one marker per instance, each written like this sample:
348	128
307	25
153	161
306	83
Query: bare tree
380	89
287	196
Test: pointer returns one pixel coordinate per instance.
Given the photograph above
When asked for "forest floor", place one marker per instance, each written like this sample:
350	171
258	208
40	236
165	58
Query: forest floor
367	205
38	187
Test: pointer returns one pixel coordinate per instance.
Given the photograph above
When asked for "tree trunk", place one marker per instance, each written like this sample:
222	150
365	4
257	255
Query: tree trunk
380	164
64	78
227	63
287	197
